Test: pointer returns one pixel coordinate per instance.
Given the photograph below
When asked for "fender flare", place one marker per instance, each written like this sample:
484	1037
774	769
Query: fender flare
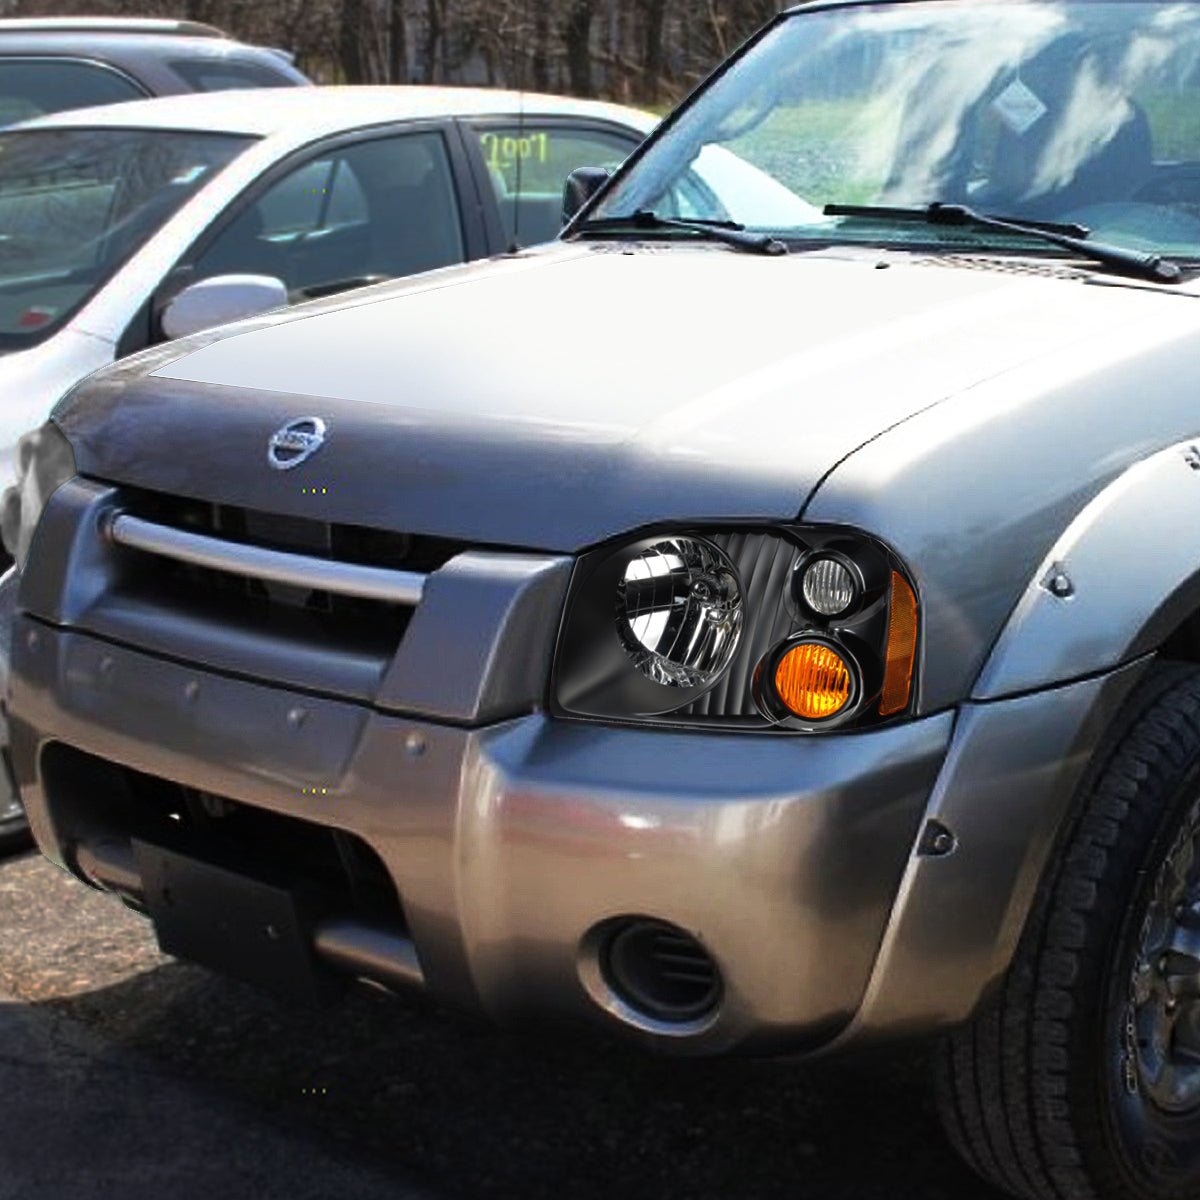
1122	577
1025	742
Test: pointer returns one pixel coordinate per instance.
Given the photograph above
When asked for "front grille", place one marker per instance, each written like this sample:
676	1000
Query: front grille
361	627
276	531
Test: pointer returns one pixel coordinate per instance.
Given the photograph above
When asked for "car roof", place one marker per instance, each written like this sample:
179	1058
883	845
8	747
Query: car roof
134	25
320	111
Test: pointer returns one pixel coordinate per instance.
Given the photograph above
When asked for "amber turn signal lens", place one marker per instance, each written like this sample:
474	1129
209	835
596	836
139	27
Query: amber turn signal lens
813	681
901	648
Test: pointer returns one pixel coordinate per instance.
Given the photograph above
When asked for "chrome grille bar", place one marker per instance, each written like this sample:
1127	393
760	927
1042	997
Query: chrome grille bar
274	566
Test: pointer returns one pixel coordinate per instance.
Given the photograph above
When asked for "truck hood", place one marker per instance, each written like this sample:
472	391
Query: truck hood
559	398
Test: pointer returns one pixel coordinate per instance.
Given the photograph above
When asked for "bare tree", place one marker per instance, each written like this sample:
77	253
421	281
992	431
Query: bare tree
577	39
397	42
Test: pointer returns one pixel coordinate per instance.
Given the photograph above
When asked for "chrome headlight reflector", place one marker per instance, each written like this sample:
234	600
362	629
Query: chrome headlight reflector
796	628
679	612
44	461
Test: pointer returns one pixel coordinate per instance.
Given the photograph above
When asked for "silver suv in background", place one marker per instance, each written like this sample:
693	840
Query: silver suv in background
50	64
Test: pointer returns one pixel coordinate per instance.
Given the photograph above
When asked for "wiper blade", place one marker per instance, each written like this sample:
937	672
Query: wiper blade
923	215
728	232
1118	259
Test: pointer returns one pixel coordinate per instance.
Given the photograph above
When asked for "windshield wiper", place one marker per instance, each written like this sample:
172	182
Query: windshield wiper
1118	259
729	232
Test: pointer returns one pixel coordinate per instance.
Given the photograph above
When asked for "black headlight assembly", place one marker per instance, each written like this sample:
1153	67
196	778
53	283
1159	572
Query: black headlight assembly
798	629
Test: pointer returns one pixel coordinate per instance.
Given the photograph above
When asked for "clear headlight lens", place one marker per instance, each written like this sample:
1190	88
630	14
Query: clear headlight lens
829	587
679	612
44	461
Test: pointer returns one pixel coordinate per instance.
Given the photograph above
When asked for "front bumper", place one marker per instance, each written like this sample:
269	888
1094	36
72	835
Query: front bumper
511	844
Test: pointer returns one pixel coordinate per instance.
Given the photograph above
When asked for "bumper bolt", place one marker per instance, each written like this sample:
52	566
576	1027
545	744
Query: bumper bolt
415	745
296	717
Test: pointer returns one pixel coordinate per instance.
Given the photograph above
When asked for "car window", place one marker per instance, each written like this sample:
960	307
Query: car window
31	87
76	203
528	163
322	193
218	74
371	210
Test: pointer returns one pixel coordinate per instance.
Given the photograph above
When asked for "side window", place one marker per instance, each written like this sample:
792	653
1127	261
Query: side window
219	74
31	87
320	195
529	162
368	211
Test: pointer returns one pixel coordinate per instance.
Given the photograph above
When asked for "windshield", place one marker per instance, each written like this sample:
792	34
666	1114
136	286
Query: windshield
76	203
1047	111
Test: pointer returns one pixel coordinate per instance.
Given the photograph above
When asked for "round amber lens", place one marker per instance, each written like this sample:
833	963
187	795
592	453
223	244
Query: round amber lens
813	681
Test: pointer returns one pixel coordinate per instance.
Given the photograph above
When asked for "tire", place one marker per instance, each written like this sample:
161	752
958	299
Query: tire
14	836
14	828
1079	1080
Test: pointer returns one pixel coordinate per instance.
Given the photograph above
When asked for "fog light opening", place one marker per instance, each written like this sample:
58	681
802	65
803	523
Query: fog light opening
661	971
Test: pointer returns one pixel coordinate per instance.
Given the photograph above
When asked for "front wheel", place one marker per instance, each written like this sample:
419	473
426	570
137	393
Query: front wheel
14	829
1081	1079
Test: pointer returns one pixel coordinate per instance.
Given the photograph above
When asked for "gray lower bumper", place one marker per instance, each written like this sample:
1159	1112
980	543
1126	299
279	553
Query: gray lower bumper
509	844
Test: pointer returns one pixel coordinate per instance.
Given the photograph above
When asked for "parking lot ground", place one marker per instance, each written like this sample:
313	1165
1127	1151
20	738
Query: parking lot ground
126	1070
88	1119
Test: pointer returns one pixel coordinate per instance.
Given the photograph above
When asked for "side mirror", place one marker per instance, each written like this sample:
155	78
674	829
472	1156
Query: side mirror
581	186
219	300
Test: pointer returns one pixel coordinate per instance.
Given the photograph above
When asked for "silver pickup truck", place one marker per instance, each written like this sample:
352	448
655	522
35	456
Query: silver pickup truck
754	628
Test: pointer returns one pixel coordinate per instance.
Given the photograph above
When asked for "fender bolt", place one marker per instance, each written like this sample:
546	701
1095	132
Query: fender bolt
937	840
1061	586
415	745
191	691
296	717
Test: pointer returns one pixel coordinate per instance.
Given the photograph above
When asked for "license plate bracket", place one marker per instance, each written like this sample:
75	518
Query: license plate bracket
230	921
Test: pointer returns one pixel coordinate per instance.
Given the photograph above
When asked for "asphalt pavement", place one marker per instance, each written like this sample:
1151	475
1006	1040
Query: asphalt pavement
129	1076
83	1118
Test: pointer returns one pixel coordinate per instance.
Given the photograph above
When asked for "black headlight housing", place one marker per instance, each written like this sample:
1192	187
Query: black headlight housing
717	628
